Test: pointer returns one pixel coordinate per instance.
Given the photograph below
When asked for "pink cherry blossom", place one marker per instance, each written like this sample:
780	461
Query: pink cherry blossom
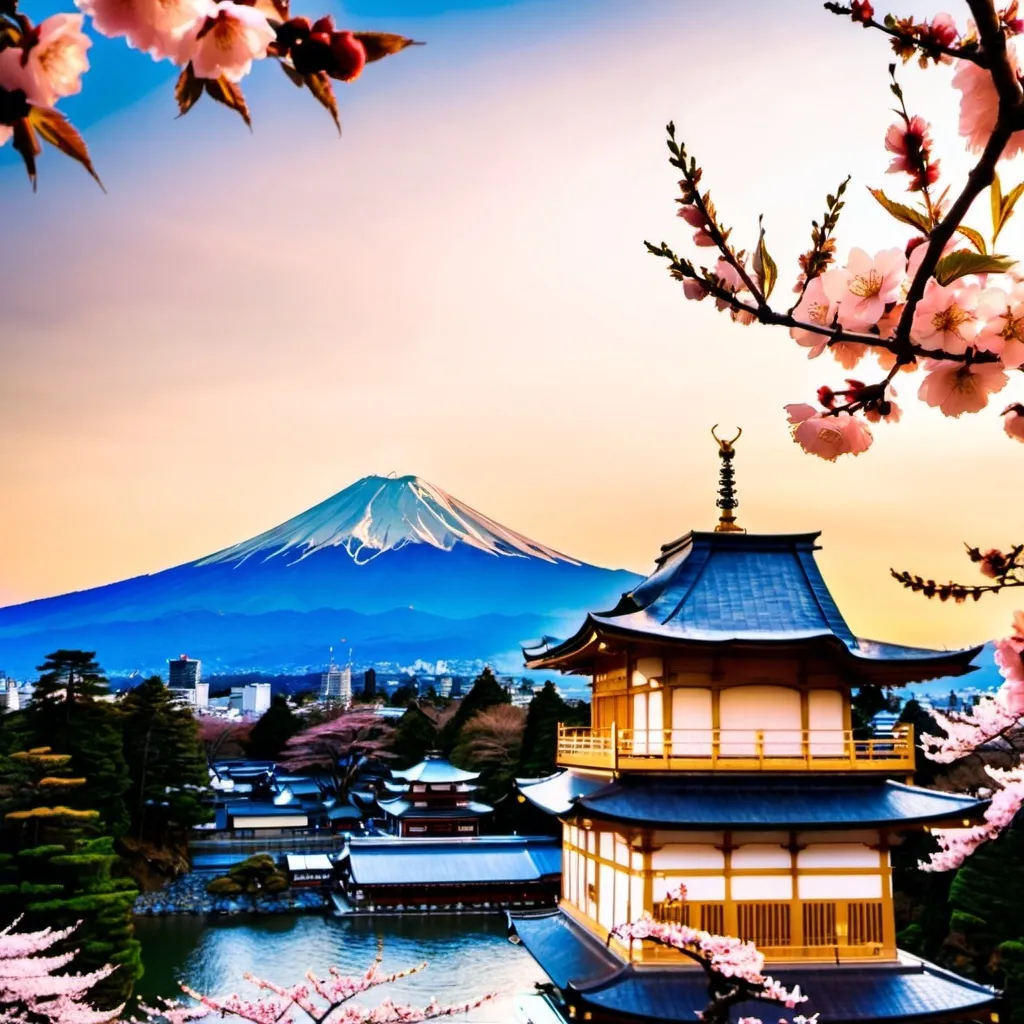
156	27
693	217
694	289
956	388
917	254
1013	422
816	308
234	36
865	286
979	104
946	317
828	437
1003	331
56	63
28	980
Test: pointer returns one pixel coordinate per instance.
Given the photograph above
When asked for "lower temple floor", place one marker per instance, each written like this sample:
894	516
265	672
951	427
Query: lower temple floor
596	984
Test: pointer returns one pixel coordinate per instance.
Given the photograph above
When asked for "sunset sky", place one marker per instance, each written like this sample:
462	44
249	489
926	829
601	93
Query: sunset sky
458	289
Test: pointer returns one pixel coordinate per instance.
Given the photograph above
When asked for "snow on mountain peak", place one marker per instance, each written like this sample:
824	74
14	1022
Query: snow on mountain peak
378	514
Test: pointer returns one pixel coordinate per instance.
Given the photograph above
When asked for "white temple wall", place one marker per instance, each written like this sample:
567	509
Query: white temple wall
746	710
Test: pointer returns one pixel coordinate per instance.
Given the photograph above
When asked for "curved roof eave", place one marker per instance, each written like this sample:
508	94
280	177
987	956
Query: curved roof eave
594	626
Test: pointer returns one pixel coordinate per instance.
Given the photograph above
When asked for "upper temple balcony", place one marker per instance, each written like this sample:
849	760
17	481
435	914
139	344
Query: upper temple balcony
741	750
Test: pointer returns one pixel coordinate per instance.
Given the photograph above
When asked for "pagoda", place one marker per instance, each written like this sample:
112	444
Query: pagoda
434	799
721	758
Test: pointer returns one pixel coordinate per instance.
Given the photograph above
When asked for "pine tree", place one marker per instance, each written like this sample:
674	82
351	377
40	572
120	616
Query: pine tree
69	676
66	715
166	762
276	727
415	735
485	693
540	737
986	940
58	868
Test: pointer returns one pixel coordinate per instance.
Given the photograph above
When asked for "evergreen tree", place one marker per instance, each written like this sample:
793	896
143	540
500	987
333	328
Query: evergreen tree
403	696
57	868
986	940
67	677
66	715
486	693
166	762
275	728
415	734
540	737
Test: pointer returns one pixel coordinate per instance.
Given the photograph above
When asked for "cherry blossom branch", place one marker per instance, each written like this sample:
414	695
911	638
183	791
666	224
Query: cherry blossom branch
733	967
907	38
1005	568
215	42
931	306
335	993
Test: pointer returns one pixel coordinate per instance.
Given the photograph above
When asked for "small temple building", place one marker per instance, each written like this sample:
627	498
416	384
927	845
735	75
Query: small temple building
434	799
721	757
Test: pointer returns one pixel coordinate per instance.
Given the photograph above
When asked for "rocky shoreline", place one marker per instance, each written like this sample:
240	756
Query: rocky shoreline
188	895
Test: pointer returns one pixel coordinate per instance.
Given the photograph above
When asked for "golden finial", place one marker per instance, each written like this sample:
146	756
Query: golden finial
727	484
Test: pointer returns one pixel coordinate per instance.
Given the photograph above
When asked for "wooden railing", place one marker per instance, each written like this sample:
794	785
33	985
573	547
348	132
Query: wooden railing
787	930
735	749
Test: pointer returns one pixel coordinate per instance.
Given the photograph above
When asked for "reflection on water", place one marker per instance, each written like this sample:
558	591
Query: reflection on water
468	955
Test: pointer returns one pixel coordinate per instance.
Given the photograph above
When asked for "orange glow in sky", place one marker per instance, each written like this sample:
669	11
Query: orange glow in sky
458	289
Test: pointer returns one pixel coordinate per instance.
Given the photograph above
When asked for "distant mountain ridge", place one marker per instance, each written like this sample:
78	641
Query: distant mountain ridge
465	583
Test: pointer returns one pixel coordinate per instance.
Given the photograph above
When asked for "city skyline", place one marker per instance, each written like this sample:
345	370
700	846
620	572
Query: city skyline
491	193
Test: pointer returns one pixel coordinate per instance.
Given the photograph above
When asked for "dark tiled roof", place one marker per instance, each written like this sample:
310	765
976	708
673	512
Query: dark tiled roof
743	801
446	862
908	990
556	793
723	587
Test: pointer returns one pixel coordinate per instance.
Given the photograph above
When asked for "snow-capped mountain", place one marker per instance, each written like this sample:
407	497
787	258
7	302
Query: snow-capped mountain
389	563
378	514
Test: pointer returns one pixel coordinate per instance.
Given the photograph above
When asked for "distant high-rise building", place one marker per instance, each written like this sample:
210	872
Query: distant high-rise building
444	686
336	684
255	698
183	673
370	683
11	698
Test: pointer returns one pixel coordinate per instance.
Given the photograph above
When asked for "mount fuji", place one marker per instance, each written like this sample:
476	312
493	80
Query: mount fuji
394	566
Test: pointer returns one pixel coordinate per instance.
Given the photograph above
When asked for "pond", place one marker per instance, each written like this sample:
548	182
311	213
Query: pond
468	955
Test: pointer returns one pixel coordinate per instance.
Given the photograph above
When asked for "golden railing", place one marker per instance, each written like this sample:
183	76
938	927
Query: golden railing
735	749
786	929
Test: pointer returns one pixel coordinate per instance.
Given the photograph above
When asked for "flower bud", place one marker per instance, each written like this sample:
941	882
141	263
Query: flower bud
348	55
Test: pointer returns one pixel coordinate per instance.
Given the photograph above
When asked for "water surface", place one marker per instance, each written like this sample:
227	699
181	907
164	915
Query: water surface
468	955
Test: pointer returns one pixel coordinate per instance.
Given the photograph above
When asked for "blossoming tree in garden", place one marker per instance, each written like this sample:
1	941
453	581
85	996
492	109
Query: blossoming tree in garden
733	968
214	43
945	312
319	999
31	991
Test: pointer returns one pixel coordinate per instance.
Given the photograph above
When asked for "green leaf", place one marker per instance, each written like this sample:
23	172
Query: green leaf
1006	209
764	266
383	44
320	86
904	214
995	195
187	90
974	237
962	262
230	95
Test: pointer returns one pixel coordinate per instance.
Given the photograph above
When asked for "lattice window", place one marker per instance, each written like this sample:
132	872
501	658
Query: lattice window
709	917
764	924
820	924
865	923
